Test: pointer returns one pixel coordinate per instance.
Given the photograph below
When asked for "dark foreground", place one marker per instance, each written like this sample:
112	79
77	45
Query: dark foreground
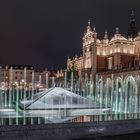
120	137
71	131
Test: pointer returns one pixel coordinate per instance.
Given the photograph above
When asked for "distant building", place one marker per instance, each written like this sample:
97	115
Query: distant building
22	74
16	73
40	77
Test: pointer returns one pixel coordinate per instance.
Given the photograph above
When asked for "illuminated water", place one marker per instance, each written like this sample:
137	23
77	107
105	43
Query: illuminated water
75	101
54	105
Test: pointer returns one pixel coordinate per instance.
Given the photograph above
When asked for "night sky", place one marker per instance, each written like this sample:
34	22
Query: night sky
44	32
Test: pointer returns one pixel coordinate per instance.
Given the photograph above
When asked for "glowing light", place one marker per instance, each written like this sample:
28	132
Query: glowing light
38	85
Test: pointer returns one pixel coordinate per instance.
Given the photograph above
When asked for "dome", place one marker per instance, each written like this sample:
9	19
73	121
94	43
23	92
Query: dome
118	37
105	39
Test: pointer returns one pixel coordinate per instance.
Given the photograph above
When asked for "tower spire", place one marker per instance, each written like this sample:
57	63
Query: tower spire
117	30
106	35
89	26
88	22
132	18
132	30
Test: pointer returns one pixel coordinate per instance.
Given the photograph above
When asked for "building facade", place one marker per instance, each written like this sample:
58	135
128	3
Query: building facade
106	54
21	75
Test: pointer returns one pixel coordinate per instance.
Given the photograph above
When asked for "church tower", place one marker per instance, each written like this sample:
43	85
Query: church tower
90	50
132	30
87	43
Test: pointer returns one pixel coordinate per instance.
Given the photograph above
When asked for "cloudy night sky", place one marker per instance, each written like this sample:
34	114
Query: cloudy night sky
44	32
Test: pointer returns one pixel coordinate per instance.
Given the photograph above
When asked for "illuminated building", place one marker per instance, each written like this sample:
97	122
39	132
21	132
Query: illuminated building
114	65
116	53
16	75
17	72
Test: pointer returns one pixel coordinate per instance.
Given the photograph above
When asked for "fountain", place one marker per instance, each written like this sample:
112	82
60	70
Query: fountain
17	105
65	80
40	80
24	96
53	82
10	84
47	80
71	81
113	99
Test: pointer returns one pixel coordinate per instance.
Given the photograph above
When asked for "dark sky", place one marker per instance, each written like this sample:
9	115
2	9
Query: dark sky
44	32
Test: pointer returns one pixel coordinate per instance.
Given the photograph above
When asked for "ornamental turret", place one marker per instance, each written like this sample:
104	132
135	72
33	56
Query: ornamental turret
105	40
